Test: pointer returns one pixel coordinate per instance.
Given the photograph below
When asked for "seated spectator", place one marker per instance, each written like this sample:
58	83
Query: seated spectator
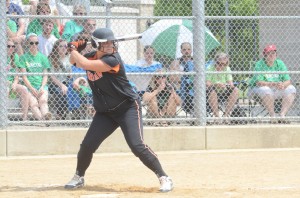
58	87
183	64
220	87
77	102
269	87
81	85
46	39
75	26
11	31
15	89
15	9
54	10
161	98
16	30
36	25
35	62
142	81
89	26
184	83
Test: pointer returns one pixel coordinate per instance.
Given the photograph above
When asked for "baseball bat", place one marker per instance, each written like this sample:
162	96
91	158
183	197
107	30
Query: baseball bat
126	37
129	37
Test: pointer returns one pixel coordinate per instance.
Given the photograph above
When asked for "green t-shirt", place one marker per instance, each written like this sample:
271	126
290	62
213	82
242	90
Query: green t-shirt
85	91
36	27
71	28
12	25
12	69
222	78
262	66
34	64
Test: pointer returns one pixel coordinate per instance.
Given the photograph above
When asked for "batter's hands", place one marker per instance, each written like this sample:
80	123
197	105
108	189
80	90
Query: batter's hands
77	45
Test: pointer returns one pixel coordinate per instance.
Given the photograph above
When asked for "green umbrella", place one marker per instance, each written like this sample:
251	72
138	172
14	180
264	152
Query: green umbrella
167	35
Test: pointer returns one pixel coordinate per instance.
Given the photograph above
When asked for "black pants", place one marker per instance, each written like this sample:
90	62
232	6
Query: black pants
129	117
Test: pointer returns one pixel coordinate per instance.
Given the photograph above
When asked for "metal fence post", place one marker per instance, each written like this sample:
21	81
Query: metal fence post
3	72
199	61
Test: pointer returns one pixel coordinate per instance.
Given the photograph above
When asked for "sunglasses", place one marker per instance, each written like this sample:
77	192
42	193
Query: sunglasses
80	13
91	24
11	46
222	64
32	43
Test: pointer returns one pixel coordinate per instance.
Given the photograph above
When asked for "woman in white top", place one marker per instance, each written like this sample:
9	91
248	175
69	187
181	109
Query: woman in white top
142	81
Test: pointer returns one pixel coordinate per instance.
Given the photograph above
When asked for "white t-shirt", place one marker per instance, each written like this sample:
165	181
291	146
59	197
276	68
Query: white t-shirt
46	44
142	81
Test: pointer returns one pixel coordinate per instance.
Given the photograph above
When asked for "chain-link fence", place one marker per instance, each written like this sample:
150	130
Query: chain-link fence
197	63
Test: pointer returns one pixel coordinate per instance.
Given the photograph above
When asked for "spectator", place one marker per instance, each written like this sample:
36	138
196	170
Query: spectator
75	26
182	64
142	81
35	62
58	87
184	83
269	87
36	25
161	98
52	4
89	26
14	86
46	39
77	101
11	31
15	9
81	85
220	87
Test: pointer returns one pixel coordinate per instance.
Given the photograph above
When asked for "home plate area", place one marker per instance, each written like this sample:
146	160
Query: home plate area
208	173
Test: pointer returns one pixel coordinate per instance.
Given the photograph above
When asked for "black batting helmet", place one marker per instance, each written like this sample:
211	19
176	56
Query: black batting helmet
102	35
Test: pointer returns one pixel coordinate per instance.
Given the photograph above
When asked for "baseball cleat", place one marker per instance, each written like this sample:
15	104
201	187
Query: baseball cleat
76	182
166	184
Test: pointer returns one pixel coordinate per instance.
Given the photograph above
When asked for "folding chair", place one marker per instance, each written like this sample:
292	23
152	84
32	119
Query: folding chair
256	103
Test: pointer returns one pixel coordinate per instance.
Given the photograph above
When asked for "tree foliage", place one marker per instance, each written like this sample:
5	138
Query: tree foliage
241	40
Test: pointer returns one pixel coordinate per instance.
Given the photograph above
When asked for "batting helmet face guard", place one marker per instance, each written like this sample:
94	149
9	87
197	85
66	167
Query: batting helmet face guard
102	35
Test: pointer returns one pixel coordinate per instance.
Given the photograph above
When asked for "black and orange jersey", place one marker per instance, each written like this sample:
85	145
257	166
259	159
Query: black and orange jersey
111	88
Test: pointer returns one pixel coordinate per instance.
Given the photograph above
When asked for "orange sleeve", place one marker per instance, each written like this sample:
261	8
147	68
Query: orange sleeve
115	69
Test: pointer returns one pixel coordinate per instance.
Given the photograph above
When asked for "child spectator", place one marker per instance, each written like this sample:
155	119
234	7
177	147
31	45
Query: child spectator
46	39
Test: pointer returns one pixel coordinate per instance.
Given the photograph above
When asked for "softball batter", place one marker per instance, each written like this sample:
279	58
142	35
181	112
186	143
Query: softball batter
116	105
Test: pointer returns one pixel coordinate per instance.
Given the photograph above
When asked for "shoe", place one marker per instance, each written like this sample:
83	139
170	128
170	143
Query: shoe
76	182
166	184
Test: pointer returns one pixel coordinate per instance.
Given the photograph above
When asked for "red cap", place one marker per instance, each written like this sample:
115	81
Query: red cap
269	48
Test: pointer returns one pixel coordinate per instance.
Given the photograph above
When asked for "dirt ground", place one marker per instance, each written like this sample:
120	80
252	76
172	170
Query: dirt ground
269	173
